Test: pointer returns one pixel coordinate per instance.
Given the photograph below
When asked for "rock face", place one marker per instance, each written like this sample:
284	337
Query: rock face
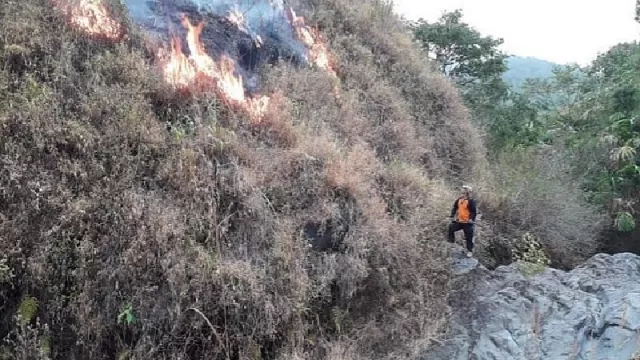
592	312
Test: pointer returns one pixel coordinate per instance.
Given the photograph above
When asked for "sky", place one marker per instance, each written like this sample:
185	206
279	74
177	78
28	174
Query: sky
561	31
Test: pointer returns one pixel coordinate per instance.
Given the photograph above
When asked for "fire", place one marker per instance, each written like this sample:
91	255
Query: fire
200	69
90	16
236	17
316	46
179	71
315	43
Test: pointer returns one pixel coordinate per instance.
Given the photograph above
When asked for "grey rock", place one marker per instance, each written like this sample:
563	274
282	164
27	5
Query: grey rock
590	313
460	262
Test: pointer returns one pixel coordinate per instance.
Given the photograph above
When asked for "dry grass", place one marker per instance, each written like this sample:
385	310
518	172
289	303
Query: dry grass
113	192
533	192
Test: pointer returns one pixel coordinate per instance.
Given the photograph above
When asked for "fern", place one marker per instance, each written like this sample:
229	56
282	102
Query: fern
623	153
126	315
6	273
625	221
530	256
28	309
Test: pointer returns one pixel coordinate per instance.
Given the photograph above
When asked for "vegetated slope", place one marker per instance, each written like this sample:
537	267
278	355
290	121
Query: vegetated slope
523	68
136	223
529	190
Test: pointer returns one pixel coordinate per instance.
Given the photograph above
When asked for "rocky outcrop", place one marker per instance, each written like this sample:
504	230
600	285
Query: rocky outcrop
591	312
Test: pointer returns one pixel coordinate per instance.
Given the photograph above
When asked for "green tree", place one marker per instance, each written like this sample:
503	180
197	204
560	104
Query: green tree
463	54
514	124
594	112
474	63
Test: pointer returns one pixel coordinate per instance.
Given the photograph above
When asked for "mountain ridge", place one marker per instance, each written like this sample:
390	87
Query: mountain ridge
521	68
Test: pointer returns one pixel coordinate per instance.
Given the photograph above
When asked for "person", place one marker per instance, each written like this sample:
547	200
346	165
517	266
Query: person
463	217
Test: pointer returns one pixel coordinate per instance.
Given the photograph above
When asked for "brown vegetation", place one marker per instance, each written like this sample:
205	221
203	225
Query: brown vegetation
133	224
531	192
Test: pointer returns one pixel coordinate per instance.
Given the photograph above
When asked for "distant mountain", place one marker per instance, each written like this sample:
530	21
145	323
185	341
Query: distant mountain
522	68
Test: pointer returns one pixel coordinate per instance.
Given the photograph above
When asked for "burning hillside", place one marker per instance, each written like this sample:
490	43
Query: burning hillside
318	52
198	70
226	42
92	17
138	226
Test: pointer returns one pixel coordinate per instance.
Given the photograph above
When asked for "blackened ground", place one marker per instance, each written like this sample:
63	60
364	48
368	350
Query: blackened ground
222	37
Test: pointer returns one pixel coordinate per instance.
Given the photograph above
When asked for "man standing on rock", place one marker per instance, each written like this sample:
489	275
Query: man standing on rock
463	217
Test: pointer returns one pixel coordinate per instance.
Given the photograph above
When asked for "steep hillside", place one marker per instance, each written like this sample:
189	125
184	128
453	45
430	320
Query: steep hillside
144	215
523	68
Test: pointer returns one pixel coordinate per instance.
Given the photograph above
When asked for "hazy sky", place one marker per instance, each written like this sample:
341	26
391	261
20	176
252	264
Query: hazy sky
556	30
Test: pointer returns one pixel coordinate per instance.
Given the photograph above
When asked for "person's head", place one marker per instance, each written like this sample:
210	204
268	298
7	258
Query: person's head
466	191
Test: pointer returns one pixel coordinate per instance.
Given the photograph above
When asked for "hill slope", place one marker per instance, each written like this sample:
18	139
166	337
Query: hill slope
138	222
522	68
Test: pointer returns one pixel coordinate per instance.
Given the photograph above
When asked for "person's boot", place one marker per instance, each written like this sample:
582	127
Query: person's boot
469	253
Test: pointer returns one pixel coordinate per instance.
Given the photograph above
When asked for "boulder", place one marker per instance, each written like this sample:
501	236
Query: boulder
591	312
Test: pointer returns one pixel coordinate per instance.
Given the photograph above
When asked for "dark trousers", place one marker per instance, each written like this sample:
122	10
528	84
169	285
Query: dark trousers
468	233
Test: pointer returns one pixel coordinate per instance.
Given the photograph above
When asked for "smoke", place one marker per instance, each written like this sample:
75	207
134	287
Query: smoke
265	37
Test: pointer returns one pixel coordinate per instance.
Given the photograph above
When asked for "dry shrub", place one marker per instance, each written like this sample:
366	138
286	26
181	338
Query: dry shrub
275	127
352	171
405	189
532	192
151	225
312	103
367	38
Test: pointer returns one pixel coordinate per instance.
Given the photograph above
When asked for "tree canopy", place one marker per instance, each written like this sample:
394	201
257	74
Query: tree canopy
589	115
461	52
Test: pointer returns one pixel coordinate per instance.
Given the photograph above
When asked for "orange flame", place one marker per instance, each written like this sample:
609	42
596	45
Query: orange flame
315	43
236	17
316	46
200	69
92	17
179	71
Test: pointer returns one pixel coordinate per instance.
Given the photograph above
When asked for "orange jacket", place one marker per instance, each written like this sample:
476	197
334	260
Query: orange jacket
464	210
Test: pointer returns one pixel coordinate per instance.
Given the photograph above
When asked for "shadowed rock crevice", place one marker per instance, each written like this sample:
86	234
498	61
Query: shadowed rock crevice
328	235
